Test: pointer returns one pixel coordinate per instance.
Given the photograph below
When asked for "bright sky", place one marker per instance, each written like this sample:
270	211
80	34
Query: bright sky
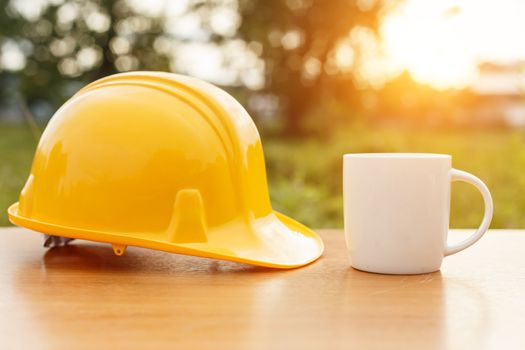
441	42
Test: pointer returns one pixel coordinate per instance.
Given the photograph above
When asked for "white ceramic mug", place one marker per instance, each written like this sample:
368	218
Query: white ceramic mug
397	208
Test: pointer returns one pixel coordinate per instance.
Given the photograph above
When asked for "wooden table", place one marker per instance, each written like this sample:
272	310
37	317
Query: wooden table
83	296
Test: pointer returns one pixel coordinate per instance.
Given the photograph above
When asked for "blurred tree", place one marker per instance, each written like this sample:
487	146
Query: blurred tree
66	44
302	47
305	44
402	100
56	46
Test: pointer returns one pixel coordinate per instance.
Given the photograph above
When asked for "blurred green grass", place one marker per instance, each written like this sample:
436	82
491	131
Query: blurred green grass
305	174
17	145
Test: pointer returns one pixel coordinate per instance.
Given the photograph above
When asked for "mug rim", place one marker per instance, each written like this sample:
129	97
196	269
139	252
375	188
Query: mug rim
396	155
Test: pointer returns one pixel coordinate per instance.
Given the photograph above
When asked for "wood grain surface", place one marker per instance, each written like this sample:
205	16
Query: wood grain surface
83	296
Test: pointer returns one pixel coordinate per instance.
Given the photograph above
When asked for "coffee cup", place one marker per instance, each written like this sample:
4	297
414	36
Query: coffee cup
397	208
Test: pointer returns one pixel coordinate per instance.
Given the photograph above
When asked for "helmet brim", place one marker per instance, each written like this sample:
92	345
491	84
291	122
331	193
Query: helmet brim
275	241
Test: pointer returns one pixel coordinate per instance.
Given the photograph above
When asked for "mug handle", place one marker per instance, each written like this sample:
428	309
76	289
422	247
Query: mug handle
458	175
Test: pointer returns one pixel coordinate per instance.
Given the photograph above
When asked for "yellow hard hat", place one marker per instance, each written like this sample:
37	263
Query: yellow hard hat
160	161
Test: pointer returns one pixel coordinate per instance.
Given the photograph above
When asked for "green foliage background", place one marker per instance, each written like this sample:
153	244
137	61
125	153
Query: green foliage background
305	174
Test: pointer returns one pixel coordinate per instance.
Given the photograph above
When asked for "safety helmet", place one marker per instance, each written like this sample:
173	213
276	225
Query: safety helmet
161	161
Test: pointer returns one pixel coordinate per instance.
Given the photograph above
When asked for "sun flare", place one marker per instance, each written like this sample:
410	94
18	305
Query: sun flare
441	43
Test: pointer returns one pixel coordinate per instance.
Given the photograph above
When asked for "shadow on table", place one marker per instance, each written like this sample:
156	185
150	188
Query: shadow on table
100	258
